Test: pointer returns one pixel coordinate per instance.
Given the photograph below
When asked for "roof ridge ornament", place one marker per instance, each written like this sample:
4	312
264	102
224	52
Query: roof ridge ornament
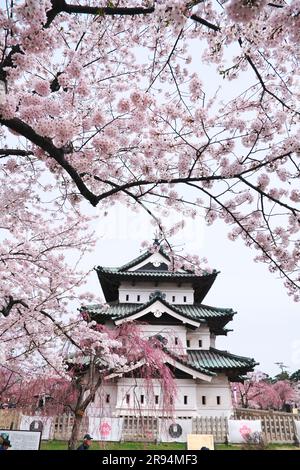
157	294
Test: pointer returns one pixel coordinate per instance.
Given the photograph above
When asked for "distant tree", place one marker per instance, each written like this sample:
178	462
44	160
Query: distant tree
261	393
295	376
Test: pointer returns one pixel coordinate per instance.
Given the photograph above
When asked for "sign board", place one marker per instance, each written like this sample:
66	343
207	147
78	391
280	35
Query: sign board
37	423
197	441
23	440
175	430
105	429
240	429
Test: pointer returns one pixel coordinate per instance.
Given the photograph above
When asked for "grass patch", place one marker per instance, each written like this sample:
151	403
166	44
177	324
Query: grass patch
63	445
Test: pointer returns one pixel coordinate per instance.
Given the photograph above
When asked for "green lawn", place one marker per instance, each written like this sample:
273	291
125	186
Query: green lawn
62	445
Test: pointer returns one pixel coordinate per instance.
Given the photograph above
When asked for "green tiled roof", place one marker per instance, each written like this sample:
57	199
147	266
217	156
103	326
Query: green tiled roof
214	359
195	312
149	274
205	361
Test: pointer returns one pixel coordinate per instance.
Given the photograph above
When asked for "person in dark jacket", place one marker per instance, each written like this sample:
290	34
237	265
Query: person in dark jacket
5	444
87	440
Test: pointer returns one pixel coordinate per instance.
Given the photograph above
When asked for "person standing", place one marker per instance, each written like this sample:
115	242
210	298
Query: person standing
5	444
86	443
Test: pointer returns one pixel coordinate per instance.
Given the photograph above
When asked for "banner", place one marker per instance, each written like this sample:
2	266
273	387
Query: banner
240	430
37	423
175	430
297	426
105	429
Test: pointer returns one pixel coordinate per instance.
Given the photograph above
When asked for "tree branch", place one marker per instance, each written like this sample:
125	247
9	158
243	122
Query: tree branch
56	153
205	23
11	302
17	152
59	6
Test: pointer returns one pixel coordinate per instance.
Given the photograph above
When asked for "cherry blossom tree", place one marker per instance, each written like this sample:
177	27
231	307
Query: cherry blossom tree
258	391
135	355
125	351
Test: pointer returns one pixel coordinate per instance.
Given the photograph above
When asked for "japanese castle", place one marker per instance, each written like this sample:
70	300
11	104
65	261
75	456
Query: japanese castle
169	305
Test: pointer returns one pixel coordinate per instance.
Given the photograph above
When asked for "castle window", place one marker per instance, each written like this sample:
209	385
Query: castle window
138	298
188	343
142	399
107	398
218	400
173	298
156	399
200	343
184	298
127	297
203	400
185	399
128	399
176	341
171	401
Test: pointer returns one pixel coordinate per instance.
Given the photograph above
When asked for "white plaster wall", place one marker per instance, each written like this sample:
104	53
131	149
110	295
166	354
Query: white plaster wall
194	390
170	333
202	333
144	289
136	387
219	386
99	407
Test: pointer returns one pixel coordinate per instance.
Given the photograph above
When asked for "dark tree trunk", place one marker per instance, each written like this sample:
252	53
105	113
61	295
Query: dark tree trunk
75	434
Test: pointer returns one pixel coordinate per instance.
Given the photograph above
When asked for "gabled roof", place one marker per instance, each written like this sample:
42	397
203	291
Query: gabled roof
214	360
202	364
143	257
197	312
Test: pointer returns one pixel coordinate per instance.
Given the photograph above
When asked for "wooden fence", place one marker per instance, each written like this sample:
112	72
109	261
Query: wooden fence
62	427
218	426
276	425
10	419
140	428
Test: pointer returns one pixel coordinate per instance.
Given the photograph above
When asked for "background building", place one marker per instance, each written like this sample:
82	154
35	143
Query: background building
170	307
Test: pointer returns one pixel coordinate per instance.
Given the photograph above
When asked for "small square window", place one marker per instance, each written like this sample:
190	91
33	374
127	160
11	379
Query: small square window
138	298
185	399
127	297
142	399
184	298
107	398
173	298
156	399
127	399
218	400
203	400
188	343
200	343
